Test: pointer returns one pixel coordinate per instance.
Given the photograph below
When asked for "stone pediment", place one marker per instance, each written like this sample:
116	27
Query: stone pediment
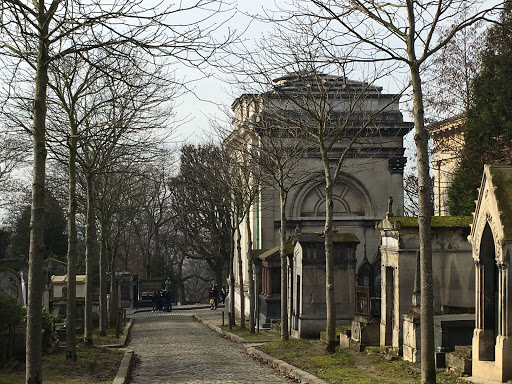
493	208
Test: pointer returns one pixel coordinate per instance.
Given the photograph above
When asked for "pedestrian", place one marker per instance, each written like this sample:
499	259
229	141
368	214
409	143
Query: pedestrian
168	300
223	295
159	301
154	300
165	301
216	295
212	295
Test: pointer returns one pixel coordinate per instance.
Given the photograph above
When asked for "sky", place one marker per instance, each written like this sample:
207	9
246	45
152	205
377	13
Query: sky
211	95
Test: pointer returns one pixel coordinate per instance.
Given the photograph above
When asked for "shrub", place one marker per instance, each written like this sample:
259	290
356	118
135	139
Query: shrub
50	337
12	312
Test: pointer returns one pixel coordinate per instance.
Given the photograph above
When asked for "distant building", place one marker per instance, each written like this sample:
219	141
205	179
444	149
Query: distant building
448	137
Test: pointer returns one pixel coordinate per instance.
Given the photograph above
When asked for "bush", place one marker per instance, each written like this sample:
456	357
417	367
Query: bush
50	337
12	315
12	312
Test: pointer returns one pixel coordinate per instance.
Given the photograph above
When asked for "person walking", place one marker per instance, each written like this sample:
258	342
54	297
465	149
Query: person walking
168	300
154	300
159	301
212	296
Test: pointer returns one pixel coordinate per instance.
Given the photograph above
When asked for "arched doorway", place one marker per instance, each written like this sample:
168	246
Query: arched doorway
489	312
368	287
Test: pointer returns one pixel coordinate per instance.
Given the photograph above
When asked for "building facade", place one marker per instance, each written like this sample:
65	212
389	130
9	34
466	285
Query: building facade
372	172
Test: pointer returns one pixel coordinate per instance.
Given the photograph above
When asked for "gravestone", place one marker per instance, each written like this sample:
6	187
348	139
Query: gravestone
10	284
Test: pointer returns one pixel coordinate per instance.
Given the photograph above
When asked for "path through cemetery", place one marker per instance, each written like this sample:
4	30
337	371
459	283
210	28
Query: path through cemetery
179	349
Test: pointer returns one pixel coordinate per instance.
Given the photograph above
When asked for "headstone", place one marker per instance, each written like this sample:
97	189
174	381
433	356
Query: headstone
10	284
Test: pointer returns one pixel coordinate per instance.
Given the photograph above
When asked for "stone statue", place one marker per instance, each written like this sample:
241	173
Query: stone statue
390	206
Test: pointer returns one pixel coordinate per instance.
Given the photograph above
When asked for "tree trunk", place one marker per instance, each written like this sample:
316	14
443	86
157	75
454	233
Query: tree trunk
284	268
112	283
157	256
330	331
89	261
250	269
72	250
428	371
231	311
179	277
33	369
241	279
103	281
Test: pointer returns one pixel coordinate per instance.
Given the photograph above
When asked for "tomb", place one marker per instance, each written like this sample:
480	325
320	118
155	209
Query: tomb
452	273
270	295
58	301
491	239
366	323
307	304
10	284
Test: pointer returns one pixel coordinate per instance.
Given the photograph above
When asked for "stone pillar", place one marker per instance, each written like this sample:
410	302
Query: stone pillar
257	289
411	321
478	333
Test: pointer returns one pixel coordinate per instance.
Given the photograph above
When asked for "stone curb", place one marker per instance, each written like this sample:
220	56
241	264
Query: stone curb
227	335
126	335
282	366
123	373
279	365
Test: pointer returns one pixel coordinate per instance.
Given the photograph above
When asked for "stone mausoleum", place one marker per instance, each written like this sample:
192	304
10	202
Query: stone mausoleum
371	174
491	238
452	268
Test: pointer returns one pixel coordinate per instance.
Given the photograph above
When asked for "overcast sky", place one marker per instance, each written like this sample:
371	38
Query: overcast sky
210	95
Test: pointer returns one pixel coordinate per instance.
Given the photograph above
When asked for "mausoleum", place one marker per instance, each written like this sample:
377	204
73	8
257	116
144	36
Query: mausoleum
491	238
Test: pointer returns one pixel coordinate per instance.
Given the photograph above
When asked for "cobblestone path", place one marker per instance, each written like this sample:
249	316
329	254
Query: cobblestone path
178	349
183	312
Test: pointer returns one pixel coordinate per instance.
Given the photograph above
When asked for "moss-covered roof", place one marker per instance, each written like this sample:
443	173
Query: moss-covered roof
54	259
318	237
5	268
274	251
502	181
437	221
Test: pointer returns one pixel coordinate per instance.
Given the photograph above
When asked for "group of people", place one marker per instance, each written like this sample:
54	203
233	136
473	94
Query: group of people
216	295
162	301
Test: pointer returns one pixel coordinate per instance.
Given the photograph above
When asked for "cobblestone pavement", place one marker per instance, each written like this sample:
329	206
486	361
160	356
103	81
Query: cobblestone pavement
184	312
178	349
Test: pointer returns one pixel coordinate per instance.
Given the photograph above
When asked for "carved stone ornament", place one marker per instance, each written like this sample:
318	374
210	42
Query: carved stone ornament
501	266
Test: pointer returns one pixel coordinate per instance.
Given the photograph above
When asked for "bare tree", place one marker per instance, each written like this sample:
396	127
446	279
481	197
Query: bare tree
100	109
403	32
202	203
275	151
14	153
35	34
451	70
306	89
